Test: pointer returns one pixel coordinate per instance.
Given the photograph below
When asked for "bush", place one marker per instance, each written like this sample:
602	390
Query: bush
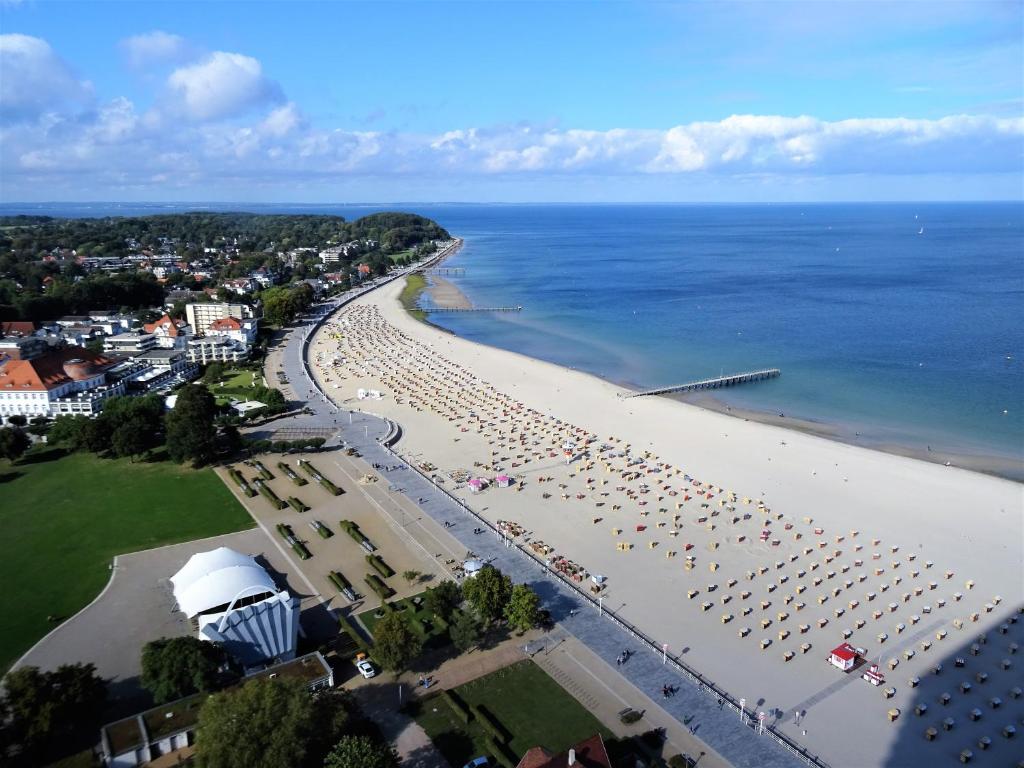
300	550
630	717
338	579
323	530
678	761
352	530
290	474
457	705
310	470
241	482
501	753
289	536
380	566
348	629
270	496
297	505
264	472
383	590
490	724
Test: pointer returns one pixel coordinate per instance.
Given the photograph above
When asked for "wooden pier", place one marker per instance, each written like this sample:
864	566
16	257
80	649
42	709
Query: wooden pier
716	383
518	308
444	271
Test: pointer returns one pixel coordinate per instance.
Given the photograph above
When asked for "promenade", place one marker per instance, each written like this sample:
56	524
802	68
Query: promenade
694	706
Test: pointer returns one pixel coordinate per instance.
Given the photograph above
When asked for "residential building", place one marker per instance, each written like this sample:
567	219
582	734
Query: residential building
170	333
164	360
66	380
589	753
221	349
244	331
240	285
129	343
169	730
233	601
201	315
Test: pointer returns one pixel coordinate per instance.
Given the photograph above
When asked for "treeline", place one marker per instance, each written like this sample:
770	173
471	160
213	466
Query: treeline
66	296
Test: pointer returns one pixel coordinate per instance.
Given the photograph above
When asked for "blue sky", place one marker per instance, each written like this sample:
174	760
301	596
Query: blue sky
528	101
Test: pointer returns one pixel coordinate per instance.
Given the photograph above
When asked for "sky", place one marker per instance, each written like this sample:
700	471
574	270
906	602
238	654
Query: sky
511	102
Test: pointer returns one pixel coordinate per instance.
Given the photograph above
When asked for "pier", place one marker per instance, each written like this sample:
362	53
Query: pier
444	271
518	308
716	383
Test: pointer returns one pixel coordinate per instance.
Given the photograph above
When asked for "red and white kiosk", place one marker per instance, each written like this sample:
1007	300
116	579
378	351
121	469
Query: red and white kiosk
843	657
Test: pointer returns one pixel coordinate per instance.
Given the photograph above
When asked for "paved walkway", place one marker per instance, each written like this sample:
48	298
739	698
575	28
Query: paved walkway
691	706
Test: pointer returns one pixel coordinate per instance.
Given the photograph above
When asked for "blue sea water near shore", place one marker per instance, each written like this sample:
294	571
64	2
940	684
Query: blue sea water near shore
896	325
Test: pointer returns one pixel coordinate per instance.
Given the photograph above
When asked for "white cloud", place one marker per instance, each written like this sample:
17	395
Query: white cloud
34	78
154	47
221	85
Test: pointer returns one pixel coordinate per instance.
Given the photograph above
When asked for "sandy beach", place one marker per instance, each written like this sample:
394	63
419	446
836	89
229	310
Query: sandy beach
753	550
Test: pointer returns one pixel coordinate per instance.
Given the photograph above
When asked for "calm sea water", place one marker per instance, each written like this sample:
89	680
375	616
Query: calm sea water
905	336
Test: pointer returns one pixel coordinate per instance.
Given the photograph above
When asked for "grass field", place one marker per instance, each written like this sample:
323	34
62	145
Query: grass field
64	519
415	284
433	633
237	385
525	700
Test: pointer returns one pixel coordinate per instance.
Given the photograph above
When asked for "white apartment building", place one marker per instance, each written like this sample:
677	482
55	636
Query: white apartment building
202	315
216	349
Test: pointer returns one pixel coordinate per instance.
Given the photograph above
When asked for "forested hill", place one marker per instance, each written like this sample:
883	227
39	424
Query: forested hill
31	235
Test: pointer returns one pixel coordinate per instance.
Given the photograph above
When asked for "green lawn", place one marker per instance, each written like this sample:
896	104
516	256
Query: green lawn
237	385
415	284
63	520
529	704
434	633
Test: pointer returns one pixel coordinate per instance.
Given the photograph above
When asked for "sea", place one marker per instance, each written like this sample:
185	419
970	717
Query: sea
898	325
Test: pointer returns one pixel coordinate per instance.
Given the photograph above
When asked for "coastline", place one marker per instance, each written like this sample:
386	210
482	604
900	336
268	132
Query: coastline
967	522
1003	467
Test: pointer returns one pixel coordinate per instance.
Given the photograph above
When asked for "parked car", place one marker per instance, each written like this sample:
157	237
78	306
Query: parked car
364	666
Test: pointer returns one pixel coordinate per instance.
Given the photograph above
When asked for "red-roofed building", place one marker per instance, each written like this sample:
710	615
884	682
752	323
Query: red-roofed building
843	656
589	753
170	333
65	380
243	330
17	328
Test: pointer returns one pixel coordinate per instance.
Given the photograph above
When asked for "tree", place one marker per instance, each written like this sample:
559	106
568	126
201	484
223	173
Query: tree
131	438
488	592
361	752
443	599
214	373
69	430
269	723
191	433
523	609
464	631
410	576
17	420
394	644
180	666
13	443
47	707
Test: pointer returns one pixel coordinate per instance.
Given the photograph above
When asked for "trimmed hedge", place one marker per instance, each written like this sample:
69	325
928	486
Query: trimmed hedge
241	482
352	530
289	536
316	475
323	530
282	446
269	495
457	705
297	504
264	472
350	630
385	570
502	754
491	724
290	474
338	579
630	717
383	590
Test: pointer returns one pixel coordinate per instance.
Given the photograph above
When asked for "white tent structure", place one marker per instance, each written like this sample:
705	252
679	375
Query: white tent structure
233	601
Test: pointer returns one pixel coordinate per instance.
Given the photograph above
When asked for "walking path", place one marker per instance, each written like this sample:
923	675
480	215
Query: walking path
690	706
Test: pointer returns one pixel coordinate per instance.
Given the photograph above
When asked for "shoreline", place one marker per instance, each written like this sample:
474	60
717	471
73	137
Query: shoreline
470	409
444	293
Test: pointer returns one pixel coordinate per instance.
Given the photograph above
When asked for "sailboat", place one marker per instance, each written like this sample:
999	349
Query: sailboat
920	231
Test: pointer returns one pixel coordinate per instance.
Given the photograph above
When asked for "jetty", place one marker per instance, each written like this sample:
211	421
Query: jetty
715	383
444	271
517	308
